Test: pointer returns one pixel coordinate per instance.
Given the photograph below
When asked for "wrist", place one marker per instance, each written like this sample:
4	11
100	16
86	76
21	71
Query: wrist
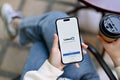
60	67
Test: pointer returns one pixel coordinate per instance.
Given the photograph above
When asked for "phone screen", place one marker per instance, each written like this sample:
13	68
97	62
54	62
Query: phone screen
69	40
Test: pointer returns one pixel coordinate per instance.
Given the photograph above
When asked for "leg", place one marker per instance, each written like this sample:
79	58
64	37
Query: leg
34	33
39	27
38	54
86	71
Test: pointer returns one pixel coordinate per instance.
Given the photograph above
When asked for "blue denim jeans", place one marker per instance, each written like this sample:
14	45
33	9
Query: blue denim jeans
40	30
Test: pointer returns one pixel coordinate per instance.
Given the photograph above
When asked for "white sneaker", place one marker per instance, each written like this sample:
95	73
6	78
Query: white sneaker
8	14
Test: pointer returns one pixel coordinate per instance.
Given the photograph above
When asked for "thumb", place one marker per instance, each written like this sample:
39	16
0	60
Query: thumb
55	41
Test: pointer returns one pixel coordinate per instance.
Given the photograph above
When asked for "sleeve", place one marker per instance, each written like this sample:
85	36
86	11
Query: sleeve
118	71
46	72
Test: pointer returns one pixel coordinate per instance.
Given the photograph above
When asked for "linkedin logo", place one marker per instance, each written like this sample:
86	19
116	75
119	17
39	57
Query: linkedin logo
69	39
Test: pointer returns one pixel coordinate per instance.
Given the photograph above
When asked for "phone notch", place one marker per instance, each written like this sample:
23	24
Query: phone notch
66	19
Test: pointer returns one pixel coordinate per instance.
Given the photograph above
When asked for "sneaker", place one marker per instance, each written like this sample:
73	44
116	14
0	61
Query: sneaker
8	14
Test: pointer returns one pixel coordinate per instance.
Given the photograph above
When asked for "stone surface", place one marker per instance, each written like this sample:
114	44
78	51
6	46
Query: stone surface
14	60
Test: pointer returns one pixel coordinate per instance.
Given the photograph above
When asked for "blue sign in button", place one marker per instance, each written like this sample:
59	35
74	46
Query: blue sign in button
71	53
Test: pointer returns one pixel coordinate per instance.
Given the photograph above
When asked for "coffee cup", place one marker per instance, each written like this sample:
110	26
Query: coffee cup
109	27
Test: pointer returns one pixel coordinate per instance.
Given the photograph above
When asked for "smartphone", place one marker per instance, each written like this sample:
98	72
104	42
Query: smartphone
69	40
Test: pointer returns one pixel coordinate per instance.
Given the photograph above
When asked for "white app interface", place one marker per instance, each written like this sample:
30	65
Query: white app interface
69	40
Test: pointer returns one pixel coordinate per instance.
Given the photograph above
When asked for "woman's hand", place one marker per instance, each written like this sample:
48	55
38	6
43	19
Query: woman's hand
55	57
113	50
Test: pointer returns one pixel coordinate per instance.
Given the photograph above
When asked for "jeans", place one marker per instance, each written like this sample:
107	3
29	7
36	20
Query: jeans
40	30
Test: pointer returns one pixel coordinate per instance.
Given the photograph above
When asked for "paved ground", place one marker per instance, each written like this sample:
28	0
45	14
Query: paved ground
13	56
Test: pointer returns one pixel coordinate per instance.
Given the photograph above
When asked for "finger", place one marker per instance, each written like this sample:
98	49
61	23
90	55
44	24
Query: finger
84	51
84	45
76	65
55	41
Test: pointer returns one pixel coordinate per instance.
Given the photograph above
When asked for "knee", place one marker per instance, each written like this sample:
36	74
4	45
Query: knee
57	14
51	17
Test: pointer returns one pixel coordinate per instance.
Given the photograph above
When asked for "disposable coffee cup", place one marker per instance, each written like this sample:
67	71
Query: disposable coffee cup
110	27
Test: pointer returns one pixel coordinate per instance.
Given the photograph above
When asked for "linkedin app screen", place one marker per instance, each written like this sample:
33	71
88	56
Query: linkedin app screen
69	39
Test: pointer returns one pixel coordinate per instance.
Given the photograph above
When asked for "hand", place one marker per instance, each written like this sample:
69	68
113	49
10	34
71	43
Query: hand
113	50
55	57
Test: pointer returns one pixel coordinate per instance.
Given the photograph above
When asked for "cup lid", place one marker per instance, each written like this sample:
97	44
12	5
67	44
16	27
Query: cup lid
110	25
